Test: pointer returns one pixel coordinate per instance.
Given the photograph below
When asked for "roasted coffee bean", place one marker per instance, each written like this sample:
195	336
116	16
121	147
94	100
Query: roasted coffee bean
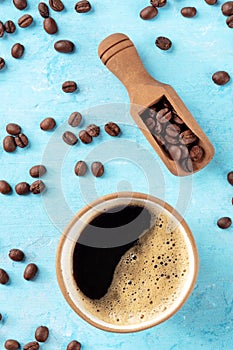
33	345
20	4
187	137
21	140
171	140
227	8
64	46
229	178
12	344
112	129
69	138
152	113
17	50
85	137
97	169
37	171
163	43
229	21
16	254
175	152
164	116
158	3
48	124
50	26
80	168
25	21
30	272
56	5
13	129
5	188
37	187
187	165
196	153
2	29
188	12
178	120
83	6
148	12
43	10
69	86
74	345
4	278
9	27
158	128
42	334
211	2
22	188
224	222
150	123
93	130
160	140
2	63
9	144
75	119
185	151
221	78
173	130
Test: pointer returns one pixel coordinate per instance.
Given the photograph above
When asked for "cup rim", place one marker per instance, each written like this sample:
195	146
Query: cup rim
84	210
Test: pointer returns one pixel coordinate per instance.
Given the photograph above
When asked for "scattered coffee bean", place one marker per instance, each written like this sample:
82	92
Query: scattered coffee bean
17	50
56	5
4	278
196	153
25	21
158	3
224	222
171	140
187	165
69	138
9	27
85	137
64	46
20	4
37	187
2	63
112	129
48	124
211	2
173	130
75	119
21	140
50	26
2	29
37	171
74	345
9	144
43	10
175	152
22	188
33	345
97	169
5	188
164	116
16	254
13	129
12	344
163	43
178	120
80	168
93	130
30	272
227	8
69	86
187	137
83	6
149	12
42	334
229	178
150	123
188	12
229	21
221	78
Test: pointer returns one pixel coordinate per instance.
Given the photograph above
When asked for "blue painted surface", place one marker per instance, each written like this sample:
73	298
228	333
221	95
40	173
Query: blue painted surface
30	90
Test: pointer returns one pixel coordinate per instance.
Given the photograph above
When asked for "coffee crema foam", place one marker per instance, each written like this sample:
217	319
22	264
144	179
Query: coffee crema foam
148	279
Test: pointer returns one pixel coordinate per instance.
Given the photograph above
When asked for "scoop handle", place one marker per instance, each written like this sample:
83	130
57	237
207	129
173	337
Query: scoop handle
119	55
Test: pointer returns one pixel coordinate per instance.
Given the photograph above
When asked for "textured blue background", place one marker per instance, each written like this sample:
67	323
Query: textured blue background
30	89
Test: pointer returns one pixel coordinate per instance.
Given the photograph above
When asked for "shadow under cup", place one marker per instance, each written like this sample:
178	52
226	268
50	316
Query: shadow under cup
154	276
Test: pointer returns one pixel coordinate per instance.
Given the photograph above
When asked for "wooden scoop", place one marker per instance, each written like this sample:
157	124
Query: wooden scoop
119	54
